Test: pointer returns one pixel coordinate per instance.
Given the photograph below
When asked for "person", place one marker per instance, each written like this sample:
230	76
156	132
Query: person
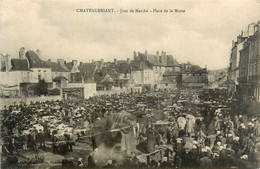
91	162
179	153
222	156
205	162
41	137
109	164
165	163
168	135
193	155
69	141
151	141
80	163
54	146
230	159
207	141
93	141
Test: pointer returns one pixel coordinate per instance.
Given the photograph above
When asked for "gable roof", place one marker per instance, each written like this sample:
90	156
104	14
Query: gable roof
123	68
55	67
152	59
171	61
140	65
19	65
35	61
69	66
59	78
88	70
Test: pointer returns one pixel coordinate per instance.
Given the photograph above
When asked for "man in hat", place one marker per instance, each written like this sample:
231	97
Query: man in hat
41	137
179	153
193	157
205	162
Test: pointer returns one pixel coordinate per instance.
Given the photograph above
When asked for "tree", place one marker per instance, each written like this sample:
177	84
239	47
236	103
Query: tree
41	88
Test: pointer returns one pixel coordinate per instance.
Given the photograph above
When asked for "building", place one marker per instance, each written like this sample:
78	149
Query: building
14	72
148	69
249	64
192	78
233	71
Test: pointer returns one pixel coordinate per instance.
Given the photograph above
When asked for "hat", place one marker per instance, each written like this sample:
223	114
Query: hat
219	143
179	140
195	142
194	146
240	116
207	148
203	150
109	161
230	135
218	132
236	138
244	157
80	159
164	159
243	126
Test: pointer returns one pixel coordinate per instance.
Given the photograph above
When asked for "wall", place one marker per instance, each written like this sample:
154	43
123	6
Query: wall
109	92
137	76
148	76
89	90
44	72
10	101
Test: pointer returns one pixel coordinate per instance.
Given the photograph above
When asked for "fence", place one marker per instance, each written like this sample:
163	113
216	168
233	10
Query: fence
109	92
11	101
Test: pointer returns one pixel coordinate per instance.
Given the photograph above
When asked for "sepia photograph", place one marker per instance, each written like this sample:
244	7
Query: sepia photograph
129	84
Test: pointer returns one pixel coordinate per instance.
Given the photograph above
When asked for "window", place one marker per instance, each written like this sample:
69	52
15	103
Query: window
166	84
39	70
44	70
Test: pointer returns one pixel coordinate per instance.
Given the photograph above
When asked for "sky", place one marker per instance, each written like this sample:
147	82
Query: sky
202	35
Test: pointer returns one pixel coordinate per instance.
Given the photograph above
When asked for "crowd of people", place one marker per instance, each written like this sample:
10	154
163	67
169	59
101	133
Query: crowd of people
185	128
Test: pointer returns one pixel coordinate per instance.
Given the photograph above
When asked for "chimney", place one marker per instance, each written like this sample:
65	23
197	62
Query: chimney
7	63
135	55
115	61
61	62
39	53
163	54
22	53
80	64
104	70
49	60
157	53
74	62
102	61
128	60
146	53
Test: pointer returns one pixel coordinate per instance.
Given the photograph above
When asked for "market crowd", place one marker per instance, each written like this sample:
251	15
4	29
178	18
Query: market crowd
182	129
